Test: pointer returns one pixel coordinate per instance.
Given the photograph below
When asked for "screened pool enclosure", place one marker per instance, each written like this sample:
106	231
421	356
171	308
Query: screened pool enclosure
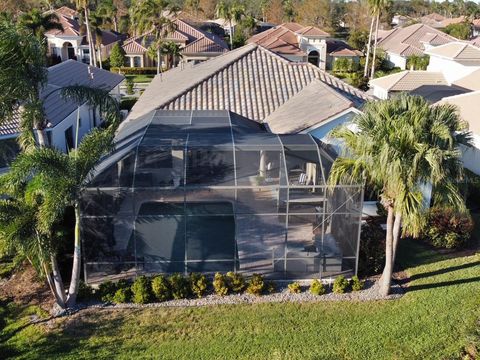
207	191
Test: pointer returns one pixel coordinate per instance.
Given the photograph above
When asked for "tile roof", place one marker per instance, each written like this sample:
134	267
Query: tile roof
71	27
409	80
475	41
459	51
67	73
470	81
340	48
194	41
409	40
284	38
467	105
66	11
250	81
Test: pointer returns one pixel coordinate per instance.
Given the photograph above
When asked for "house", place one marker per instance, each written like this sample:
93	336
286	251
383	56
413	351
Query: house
72	42
455	60
257	84
210	190
196	45
62	114
438	21
432	85
400	43
300	43
467	105
476	27
400	20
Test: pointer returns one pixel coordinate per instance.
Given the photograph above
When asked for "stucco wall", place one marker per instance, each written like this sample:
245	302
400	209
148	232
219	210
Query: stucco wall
450	69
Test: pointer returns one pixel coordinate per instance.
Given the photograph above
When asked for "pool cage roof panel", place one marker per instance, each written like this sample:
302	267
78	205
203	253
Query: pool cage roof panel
173	148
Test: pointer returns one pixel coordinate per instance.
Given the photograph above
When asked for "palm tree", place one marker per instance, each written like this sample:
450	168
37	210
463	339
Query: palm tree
84	5
231	12
96	24
400	145
23	74
173	52
194	5
154	16
55	180
377	7
39	22
108	12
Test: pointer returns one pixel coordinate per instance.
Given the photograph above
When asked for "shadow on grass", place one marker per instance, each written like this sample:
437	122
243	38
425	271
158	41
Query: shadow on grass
442	284
444	271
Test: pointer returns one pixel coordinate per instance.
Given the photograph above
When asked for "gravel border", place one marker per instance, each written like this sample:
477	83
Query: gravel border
282	295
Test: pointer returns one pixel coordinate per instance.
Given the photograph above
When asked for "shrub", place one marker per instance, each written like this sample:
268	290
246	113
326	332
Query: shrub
256	285
142	290
317	288
356	283
447	228
129	85
198	284
295	288
117	56
371	258
107	291
122	295
161	288
179	286
340	285
127	103
85	292
134	71
220	284
236	282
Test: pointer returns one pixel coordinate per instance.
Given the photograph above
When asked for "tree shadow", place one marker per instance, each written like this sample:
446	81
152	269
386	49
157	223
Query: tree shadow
443	271
442	284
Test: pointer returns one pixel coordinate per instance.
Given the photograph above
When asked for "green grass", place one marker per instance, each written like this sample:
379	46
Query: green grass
143	78
434	320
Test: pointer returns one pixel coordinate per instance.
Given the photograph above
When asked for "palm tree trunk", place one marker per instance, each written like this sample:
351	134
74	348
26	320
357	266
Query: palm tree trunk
231	34
100	57
372	74
58	298
42	138
158	61
365	72
115	24
397	227
57	279
91	46
386	278
76	268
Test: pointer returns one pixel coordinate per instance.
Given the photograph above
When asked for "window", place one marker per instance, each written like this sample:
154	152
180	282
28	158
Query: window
137	61
69	144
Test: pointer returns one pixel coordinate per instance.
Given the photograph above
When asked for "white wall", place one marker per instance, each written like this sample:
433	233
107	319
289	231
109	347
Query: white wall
380	92
471	156
397	60
450	69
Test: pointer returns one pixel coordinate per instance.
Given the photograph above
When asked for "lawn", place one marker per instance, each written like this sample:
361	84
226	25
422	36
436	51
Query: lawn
142	78
434	320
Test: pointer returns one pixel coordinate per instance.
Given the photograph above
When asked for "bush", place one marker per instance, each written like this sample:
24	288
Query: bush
345	65
179	286
256	285
356	283
317	288
220	284
340	285
127	103
198	284
107	291
371	258
142	290
85	292
122	295
161	288
270	287
134	71
447	228
295	288
236	282
129	85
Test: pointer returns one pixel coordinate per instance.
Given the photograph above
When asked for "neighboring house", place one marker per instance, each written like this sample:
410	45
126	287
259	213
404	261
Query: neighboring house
438	21
400	43
72	42
197	45
61	114
468	107
300	43
432	85
259	85
455	60
475	41
476	27
400	20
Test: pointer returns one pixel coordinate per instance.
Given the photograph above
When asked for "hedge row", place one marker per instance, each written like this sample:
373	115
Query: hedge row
134	70
177	286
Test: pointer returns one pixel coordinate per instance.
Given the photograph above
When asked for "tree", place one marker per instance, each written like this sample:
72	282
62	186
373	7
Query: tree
193	5
108	12
117	56
377	7
85	6
172	50
358	39
150	15
23	74
401	144
39	22
415	62
461	31
231	12
316	13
